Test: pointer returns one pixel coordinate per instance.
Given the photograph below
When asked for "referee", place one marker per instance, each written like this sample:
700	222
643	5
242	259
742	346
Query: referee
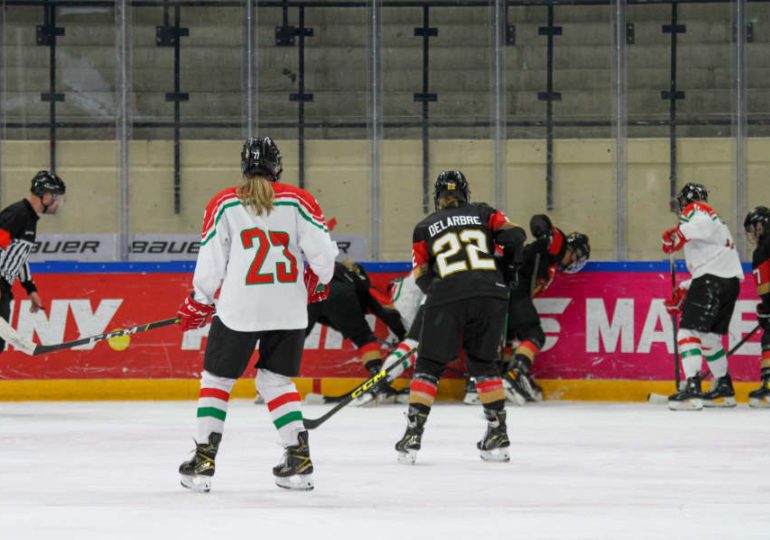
18	229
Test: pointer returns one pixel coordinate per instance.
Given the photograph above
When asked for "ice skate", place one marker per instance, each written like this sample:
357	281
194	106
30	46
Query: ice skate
196	472
689	398
760	398
296	469
512	395
410	443
523	383
494	445
721	393
471	394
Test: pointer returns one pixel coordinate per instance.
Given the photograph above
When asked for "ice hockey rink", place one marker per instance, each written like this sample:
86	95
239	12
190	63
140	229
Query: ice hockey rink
579	470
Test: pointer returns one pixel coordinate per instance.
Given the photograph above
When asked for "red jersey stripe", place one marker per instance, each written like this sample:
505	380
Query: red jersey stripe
419	254
558	239
496	221
5	239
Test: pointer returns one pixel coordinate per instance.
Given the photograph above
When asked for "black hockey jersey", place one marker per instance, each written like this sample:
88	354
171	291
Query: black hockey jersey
541	262
457	244
760	265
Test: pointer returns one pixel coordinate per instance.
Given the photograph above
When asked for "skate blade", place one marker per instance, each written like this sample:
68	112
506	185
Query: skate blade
299	482
759	403
689	405
723	402
471	399
408	457
498	454
199	484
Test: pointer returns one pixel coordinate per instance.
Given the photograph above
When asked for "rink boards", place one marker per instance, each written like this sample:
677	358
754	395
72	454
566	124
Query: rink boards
608	336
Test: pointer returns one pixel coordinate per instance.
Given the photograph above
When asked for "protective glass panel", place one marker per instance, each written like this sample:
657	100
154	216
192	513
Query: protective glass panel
187	115
58	110
436	108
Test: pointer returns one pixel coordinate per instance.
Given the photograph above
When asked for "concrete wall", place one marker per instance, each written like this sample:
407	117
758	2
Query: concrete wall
338	174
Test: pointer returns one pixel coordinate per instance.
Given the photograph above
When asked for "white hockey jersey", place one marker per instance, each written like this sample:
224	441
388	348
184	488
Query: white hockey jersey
258	260
710	248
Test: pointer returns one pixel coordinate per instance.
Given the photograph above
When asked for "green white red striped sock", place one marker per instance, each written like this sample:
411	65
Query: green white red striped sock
283	401
717	361
691	353
213	399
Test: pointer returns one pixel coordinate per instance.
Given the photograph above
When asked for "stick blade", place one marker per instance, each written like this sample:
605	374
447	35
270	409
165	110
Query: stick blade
658	399
13	338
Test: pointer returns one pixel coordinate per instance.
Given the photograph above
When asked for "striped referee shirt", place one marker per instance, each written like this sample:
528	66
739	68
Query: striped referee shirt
18	230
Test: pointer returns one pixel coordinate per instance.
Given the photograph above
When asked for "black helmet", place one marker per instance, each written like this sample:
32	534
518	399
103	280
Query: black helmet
578	243
47	182
260	156
758	216
691	192
451	182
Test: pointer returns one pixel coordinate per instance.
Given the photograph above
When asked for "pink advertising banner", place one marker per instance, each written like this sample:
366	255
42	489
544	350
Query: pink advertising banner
599	325
613	325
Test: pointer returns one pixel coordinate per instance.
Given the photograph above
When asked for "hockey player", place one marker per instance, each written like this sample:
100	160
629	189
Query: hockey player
350	298
550	252
18	229
256	237
757	226
454	264
706	301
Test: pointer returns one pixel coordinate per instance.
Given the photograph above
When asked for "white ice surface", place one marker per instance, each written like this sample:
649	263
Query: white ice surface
615	471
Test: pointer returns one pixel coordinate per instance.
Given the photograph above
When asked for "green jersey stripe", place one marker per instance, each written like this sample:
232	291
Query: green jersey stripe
213	232
302	213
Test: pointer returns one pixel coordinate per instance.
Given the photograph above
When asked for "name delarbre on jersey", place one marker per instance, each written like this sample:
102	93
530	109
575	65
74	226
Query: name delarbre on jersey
452	221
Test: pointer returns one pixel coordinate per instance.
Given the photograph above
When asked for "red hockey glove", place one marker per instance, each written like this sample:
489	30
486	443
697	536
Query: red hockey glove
763	316
673	240
675	303
316	292
193	314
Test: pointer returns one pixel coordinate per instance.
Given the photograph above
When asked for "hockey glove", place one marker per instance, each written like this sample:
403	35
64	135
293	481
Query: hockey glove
763	316
673	240
675	303
316	292
192	314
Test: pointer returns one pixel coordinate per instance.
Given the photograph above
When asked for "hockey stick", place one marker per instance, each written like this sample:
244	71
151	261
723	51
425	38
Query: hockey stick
368	384
674	321
660	398
12	337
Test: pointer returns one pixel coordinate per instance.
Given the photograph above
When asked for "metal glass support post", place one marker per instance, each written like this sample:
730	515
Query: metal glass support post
374	115
740	127
123	124
549	96
47	36
301	97
619	124
425	97
499	135
672	95
250	70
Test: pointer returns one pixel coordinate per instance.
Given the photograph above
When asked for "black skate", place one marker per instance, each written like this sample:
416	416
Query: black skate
521	381
721	393
410	443
471	394
760	398
494	445
689	398
296	469
198	470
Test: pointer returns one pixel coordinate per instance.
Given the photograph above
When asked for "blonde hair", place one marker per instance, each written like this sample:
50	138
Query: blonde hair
257	192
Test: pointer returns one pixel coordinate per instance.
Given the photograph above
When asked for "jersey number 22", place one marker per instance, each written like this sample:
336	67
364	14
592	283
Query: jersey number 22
473	241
